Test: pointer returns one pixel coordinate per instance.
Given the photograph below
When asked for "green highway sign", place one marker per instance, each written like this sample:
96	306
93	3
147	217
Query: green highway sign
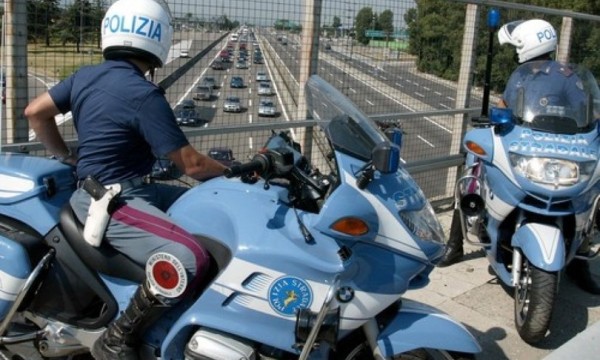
374	33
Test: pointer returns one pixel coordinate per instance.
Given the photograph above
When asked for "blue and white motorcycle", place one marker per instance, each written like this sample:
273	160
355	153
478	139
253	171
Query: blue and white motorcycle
529	195
305	264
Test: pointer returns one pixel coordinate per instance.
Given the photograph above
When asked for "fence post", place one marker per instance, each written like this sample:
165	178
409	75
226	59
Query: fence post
564	44
463	91
309	56
17	127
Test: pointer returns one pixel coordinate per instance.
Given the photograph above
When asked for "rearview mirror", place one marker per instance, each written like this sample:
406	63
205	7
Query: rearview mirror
386	157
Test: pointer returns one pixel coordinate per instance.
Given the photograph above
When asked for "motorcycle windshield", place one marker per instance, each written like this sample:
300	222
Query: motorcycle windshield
349	130
550	97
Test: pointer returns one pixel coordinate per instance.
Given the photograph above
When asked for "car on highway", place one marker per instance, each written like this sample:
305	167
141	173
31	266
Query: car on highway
241	64
209	81
217	65
224	155
203	92
261	75
237	82
184	54
264	88
232	104
266	107
258	59
186	114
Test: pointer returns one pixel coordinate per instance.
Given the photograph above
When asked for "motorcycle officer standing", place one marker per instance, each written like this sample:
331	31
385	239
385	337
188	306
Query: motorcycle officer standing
535	40
123	122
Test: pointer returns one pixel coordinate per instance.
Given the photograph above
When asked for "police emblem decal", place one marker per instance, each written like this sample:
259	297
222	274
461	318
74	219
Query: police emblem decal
288	294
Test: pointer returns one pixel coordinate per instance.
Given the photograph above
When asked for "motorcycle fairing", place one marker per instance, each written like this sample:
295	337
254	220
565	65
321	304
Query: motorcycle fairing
33	189
543	245
420	326
379	208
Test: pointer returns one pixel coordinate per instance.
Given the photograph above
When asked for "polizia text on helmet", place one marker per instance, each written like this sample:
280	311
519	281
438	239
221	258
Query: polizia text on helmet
138	25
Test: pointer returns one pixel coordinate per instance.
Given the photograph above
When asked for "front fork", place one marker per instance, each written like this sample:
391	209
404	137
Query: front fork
371	330
589	233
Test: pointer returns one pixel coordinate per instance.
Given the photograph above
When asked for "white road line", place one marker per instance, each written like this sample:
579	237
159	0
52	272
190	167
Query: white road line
340	81
444	106
398	84
383	77
419	94
426	88
249	102
351	89
437	93
250	142
451	98
250	119
425	141
368	102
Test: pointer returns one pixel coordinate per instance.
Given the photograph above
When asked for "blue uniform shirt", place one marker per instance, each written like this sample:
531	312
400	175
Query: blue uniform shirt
552	82
122	120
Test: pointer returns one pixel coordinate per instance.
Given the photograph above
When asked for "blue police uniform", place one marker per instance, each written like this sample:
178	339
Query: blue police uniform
123	121
554	83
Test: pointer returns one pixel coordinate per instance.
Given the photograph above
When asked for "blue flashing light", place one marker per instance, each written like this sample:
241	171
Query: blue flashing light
493	19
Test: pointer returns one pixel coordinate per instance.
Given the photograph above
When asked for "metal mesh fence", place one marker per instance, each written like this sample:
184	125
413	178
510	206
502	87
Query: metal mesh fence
256	54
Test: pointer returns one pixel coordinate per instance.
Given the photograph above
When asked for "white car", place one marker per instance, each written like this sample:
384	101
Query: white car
184	54
264	88
261	76
266	107
232	104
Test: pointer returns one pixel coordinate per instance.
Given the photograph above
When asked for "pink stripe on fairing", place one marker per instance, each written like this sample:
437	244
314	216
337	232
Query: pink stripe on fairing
162	228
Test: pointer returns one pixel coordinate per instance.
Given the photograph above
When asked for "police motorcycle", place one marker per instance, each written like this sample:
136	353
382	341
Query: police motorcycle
529	193
305	264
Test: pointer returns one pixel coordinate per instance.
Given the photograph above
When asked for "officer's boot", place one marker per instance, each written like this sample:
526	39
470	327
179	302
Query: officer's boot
120	340
454	247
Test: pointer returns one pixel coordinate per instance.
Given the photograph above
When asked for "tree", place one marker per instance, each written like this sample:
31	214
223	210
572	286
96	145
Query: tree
79	22
41	15
363	22
337	22
386	23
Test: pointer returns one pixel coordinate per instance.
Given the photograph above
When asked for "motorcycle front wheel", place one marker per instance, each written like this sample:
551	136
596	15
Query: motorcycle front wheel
357	348
534	299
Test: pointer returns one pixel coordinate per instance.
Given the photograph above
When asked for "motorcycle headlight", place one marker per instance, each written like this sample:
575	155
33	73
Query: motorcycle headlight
424	224
556	172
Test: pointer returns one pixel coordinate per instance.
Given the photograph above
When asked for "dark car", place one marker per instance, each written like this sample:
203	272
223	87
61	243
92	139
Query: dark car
217	65
224	155
210	81
237	82
186	114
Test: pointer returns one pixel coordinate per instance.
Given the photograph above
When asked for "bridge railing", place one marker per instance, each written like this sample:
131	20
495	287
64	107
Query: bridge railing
427	88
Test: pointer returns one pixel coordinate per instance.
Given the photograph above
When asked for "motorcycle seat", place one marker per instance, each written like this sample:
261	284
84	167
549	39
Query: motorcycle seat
104	259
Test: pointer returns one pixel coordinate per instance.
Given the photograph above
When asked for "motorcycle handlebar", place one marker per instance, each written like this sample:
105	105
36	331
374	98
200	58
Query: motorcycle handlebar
259	163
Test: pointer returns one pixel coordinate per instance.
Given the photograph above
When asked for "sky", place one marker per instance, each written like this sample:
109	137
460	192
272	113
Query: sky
265	12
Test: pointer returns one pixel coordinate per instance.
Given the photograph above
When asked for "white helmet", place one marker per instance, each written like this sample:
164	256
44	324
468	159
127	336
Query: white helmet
532	38
137	28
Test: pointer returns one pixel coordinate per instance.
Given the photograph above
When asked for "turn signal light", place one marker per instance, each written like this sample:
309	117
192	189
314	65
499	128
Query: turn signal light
474	147
351	226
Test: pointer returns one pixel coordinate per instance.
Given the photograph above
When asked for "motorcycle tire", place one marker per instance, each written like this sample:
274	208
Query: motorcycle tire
356	347
534	295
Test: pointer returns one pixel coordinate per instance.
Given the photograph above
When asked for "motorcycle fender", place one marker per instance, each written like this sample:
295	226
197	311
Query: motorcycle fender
543	245
417	325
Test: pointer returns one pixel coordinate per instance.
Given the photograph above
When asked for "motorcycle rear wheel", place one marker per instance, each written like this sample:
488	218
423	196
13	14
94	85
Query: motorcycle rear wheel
534	295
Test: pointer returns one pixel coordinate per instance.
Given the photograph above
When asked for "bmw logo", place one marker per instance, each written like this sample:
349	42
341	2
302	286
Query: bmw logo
288	294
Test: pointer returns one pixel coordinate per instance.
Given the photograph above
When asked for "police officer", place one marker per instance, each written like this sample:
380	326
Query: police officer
123	121
535	40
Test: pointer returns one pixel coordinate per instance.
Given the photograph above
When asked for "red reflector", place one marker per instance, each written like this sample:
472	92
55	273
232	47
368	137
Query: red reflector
165	274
